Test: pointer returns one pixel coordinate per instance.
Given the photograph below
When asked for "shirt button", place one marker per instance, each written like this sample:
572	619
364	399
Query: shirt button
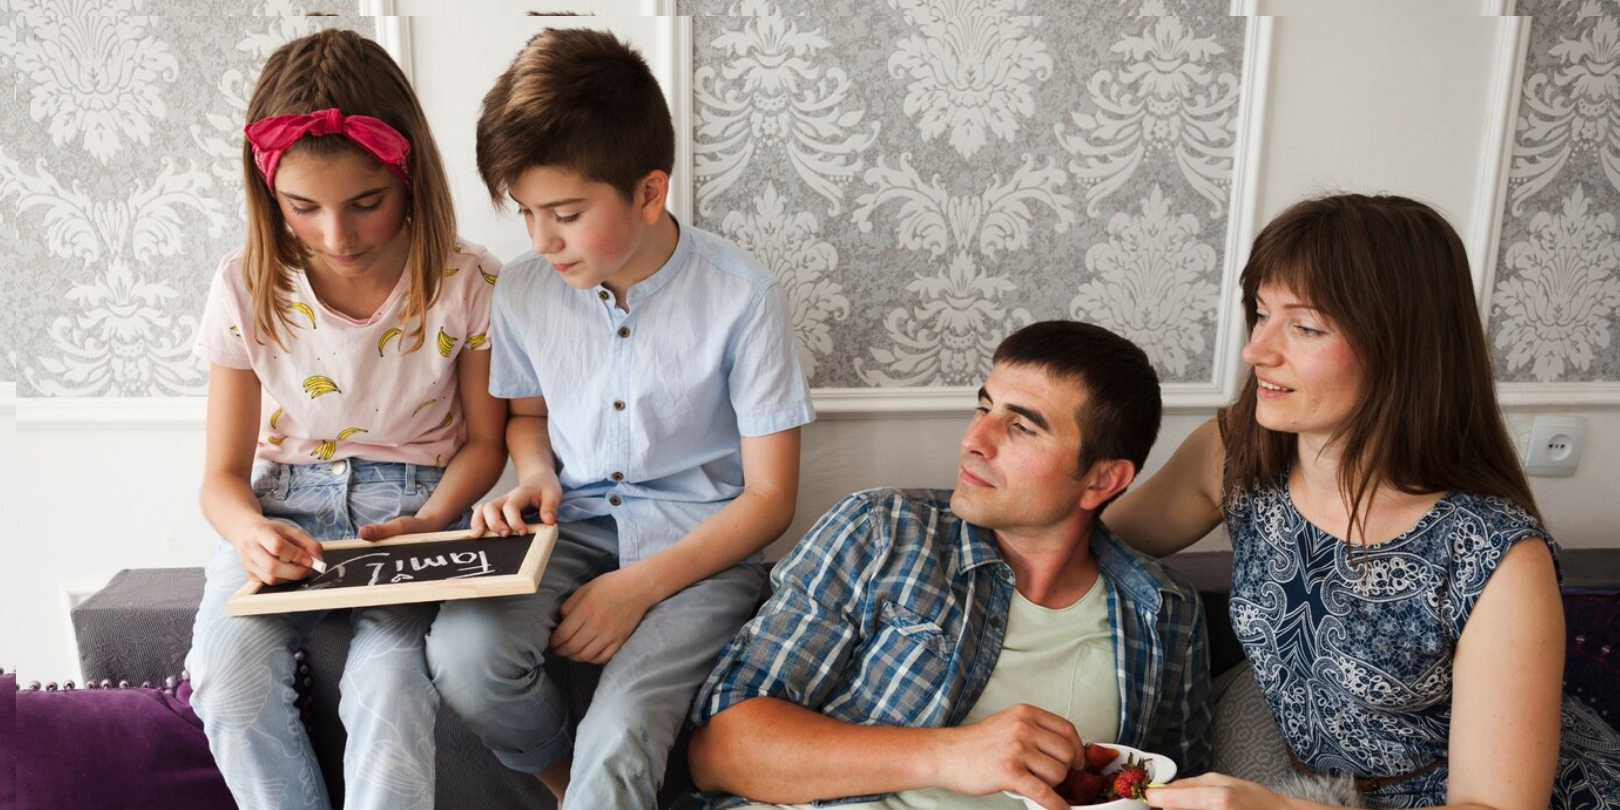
618	404
615	500
340	467
618	476
624	331
602	294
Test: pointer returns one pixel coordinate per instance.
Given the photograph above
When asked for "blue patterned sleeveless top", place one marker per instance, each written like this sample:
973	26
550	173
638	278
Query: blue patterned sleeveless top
1353	646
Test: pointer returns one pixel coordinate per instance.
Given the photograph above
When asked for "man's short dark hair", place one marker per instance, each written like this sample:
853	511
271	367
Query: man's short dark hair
1120	415
580	100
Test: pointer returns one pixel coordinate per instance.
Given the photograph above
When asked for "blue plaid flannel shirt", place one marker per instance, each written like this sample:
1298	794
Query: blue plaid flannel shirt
892	611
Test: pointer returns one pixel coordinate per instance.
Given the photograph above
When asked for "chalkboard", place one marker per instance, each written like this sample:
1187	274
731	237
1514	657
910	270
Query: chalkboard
410	568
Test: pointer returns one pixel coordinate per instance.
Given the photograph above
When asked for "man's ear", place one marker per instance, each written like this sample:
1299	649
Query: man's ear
1106	479
651	194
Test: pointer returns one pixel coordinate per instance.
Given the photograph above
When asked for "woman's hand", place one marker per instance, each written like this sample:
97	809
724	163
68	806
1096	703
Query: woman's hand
599	617
273	552
504	515
1214	791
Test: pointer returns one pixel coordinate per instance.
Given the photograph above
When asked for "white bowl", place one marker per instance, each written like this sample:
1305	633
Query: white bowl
1160	768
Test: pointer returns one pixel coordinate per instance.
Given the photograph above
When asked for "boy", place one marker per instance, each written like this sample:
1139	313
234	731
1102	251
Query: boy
656	400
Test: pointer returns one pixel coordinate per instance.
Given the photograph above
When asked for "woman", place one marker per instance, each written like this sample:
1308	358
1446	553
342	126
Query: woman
1397	625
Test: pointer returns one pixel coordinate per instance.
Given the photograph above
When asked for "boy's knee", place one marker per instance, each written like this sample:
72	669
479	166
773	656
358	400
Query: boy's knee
478	668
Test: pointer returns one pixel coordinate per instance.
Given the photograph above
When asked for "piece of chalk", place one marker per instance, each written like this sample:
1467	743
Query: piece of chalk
320	567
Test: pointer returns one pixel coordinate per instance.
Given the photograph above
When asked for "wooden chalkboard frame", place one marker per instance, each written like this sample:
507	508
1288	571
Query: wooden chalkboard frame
249	602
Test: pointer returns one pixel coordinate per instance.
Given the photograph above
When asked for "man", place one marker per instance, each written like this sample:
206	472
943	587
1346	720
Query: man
931	649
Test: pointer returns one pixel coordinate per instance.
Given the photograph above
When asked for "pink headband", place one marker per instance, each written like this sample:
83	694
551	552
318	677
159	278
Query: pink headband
272	137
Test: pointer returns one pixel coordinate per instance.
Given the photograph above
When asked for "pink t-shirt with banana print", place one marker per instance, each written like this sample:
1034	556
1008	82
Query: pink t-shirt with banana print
345	388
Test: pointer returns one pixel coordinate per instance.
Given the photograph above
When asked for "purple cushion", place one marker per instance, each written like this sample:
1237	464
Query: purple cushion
1592	658
129	749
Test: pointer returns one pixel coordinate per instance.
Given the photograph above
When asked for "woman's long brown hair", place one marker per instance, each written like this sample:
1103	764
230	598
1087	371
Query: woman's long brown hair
1392	276
337	68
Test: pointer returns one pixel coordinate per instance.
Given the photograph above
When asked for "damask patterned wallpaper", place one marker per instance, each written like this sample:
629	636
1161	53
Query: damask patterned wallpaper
924	182
1555	311
119	181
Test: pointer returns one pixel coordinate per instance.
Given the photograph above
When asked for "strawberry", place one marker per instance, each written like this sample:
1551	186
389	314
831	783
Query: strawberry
1098	757
1082	787
1129	782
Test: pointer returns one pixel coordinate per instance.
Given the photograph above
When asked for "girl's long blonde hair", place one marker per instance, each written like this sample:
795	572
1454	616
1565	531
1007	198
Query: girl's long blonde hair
337	68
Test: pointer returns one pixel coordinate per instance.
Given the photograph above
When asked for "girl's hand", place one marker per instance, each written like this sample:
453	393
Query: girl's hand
599	617
504	515
274	552
409	524
1213	791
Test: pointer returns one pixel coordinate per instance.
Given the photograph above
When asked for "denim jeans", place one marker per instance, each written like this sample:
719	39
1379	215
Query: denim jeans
242	667
486	656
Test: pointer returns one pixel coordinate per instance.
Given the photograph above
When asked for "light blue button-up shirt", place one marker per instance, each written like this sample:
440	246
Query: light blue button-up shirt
647	407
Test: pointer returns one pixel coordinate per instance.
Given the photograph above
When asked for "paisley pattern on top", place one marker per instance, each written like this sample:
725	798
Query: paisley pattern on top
1353	646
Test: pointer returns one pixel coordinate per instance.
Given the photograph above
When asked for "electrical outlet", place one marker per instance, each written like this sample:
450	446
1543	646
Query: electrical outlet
1555	444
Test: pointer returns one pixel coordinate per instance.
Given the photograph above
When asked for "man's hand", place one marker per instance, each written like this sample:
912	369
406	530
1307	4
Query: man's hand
1020	748
504	515
599	618
273	552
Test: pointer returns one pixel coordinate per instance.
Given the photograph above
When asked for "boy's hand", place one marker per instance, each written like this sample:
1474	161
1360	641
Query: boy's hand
504	515
274	552
599	617
409	524
1021	748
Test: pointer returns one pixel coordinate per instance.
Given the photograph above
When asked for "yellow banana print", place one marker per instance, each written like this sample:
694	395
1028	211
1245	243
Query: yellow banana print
277	440
392	333
489	277
235	332
423	405
450	271
326	449
457	247
474	341
446	422
304	308
318	385
274	417
446	342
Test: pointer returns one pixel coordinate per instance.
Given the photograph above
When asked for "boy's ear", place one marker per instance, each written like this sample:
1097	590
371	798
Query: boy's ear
651	194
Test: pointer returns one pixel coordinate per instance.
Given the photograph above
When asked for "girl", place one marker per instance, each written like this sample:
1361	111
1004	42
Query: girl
348	396
1393	587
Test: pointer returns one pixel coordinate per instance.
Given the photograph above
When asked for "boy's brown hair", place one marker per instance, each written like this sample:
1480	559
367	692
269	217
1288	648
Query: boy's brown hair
579	100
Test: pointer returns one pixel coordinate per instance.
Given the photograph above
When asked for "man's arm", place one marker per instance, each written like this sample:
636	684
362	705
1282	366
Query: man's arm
1182	726
774	751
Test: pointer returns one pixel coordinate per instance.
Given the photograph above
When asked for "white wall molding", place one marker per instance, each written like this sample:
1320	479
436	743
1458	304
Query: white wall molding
1599	396
1243	222
110	413
1484	248
678	34
8	399
393	31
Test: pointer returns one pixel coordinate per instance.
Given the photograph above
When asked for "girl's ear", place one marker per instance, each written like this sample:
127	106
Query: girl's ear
652	193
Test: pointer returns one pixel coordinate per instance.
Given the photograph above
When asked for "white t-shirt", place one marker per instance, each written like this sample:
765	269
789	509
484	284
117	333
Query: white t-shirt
346	388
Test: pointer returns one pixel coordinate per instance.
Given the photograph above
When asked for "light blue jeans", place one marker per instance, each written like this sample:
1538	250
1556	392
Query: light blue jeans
486	657
242	667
